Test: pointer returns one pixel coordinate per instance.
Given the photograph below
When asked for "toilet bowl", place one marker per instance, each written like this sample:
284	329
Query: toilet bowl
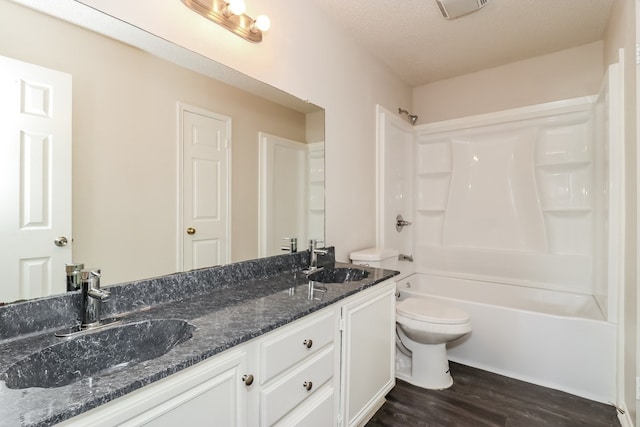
424	327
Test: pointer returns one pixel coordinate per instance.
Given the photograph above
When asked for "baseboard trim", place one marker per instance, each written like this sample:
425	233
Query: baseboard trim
624	417
372	411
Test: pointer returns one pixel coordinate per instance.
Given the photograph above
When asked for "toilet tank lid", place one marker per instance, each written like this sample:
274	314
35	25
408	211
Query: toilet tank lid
373	254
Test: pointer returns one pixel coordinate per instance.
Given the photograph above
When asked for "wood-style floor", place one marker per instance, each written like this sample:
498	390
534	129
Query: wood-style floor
482	399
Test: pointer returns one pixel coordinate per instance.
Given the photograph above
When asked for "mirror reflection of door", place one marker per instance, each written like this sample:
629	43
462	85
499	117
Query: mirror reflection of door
205	231
315	210
35	181
286	200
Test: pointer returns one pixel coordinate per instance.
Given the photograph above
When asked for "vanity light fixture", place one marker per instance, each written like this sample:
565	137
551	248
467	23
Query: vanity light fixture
230	14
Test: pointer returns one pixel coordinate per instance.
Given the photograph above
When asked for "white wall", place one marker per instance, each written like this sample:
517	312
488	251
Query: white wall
566	74
308	56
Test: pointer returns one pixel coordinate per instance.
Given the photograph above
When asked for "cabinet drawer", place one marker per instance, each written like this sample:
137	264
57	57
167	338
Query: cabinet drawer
317	411
289	391
293	345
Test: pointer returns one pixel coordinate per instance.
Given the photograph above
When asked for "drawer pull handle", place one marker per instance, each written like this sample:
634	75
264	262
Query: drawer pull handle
307	385
247	379
308	343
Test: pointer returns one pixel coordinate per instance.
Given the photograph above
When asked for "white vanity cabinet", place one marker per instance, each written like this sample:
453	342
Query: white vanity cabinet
211	390
299	372
368	352
307	373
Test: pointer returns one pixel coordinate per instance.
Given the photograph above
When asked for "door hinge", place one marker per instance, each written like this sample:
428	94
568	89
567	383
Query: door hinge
341	324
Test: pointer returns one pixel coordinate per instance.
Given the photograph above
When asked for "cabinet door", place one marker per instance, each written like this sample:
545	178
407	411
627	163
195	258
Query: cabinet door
209	393
368	351
216	401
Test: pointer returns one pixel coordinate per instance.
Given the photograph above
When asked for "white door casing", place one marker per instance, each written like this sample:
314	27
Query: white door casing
282	193
315	192
204	217
35	188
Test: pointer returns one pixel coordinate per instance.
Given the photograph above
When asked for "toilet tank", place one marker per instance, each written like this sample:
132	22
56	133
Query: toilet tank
376	257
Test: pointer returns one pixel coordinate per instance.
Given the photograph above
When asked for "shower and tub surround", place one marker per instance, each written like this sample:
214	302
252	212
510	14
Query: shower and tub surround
225	306
530	196
524	197
529	200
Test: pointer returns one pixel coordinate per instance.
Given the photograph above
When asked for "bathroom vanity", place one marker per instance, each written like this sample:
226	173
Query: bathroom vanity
266	347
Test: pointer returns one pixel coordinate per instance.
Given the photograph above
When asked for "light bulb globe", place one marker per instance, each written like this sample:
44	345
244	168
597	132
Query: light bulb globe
263	23
237	7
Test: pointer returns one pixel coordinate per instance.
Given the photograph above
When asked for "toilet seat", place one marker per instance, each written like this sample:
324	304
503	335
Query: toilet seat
427	310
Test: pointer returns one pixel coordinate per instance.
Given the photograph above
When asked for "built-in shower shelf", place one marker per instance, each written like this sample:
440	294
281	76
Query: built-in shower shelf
564	166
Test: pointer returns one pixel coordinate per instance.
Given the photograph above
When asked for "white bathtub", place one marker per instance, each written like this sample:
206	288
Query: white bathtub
555	339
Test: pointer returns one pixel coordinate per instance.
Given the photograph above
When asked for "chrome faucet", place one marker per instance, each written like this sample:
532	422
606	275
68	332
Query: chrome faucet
313	255
292	247
92	297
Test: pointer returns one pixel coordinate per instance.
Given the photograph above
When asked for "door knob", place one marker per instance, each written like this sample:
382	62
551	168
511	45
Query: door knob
191	231
61	241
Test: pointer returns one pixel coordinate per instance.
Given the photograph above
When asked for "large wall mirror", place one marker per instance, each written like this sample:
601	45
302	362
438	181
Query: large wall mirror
128	130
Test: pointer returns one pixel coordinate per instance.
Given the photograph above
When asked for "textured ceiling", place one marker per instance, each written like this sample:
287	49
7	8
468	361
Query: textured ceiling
421	46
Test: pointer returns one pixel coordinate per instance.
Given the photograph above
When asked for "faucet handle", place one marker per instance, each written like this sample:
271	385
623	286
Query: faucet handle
292	246
313	244
100	294
91	284
90	273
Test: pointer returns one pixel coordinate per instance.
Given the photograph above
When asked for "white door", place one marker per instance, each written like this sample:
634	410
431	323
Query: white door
35	183
206	141
282	193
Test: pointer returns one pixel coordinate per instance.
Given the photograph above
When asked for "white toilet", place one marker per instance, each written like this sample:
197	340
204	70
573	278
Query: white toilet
376	257
423	327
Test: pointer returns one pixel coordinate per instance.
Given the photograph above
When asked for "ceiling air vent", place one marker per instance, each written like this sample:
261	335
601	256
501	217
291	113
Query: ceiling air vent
452	9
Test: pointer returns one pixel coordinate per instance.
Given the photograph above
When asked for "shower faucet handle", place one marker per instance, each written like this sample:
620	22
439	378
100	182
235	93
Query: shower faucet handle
400	223
404	257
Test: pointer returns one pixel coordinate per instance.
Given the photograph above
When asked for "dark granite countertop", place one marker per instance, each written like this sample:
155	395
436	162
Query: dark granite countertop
223	317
